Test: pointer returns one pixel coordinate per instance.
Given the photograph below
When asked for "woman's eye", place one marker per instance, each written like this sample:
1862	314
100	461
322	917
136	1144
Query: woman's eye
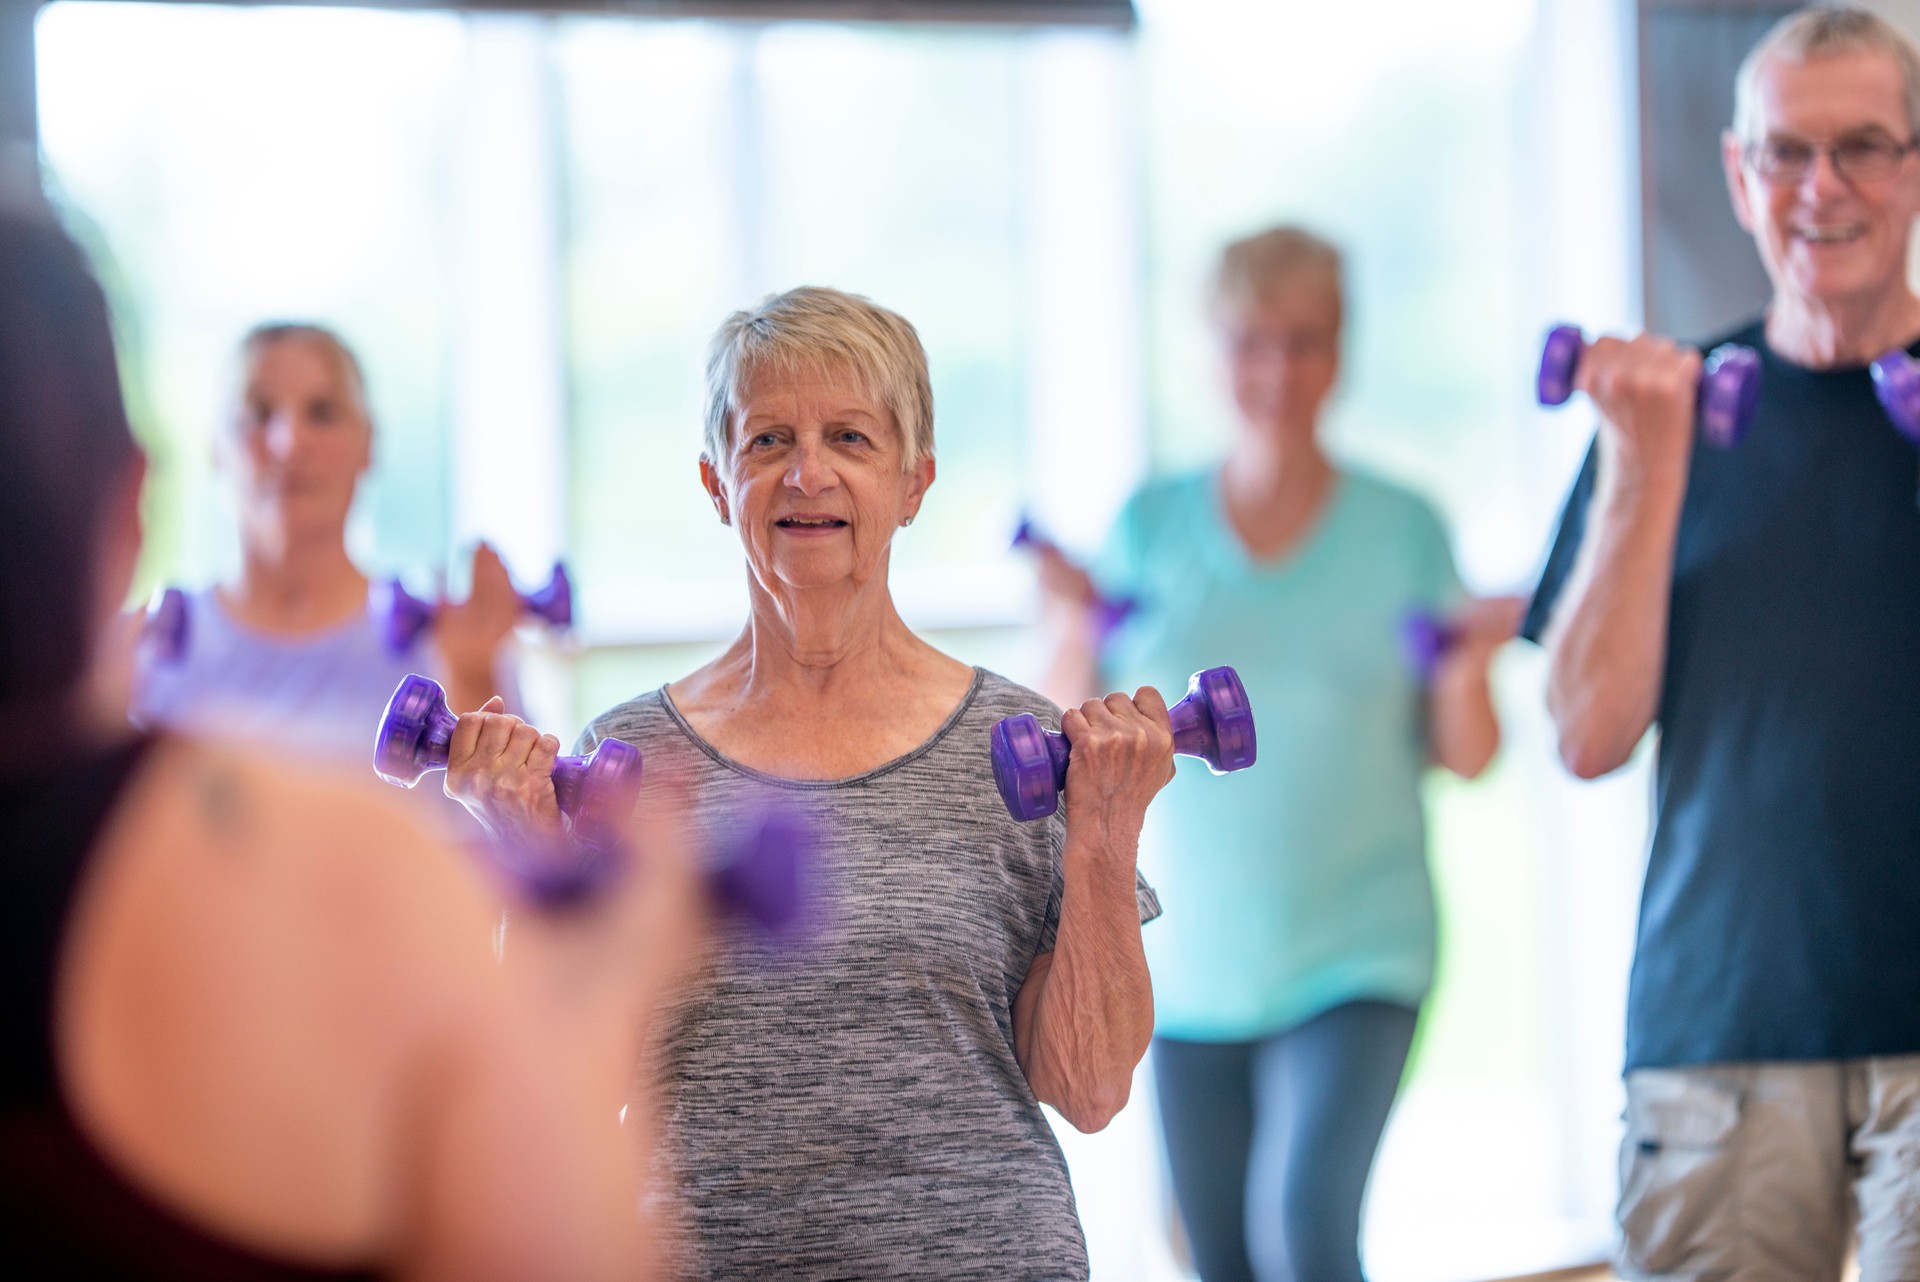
764	439
852	437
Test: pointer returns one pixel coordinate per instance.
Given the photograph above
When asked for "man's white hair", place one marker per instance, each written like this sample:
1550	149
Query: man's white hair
1825	32
812	330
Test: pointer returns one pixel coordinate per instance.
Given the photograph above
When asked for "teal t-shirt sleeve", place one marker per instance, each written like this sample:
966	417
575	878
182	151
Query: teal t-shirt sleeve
1440	587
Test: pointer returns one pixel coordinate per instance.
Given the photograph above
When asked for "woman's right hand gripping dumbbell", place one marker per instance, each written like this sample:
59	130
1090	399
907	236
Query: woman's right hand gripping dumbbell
501	769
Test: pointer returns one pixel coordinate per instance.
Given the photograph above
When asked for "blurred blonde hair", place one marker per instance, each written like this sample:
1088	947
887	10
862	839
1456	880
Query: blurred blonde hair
1255	269
1825	32
267	333
812	330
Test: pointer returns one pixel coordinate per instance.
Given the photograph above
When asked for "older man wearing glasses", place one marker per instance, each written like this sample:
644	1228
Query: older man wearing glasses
1762	605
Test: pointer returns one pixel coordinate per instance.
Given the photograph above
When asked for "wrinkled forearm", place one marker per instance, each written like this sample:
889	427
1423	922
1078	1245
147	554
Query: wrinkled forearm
1092	1014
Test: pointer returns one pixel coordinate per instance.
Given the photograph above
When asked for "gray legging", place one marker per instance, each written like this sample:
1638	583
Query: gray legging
1271	1141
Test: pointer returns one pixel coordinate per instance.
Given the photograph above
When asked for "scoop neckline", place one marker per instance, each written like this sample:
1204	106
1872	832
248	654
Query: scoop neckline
1228	539
821	785
332	635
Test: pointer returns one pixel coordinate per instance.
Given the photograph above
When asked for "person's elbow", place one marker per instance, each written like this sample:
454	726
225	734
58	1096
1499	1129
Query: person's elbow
1471	761
1587	760
1591	745
1090	1110
1088	1094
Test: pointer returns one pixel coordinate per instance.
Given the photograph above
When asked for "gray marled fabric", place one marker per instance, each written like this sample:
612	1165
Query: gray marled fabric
855	1110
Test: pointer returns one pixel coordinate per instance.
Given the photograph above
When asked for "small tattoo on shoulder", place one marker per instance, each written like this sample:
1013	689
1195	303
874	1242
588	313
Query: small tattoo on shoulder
222	801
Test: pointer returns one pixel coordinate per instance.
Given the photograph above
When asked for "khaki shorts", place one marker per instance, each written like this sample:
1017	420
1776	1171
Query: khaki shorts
1757	1172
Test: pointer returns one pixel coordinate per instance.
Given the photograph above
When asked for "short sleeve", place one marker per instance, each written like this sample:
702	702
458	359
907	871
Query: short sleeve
1566	547
1440	588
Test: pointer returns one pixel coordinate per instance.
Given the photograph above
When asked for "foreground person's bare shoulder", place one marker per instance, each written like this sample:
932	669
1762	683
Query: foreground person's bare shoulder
264	962
311	838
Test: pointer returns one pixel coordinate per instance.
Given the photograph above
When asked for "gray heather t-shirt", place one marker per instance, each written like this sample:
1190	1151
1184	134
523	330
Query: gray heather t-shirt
852	1109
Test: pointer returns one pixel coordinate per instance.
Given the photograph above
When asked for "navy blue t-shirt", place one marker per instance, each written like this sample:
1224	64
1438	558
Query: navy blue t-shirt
1781	914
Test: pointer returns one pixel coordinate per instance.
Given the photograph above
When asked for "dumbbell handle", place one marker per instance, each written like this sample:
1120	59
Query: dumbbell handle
1725	401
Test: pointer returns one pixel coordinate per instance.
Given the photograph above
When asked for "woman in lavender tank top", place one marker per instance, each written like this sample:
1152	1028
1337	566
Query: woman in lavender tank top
287	651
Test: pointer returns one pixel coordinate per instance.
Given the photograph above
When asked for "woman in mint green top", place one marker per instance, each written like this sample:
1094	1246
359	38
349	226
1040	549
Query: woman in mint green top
1298	941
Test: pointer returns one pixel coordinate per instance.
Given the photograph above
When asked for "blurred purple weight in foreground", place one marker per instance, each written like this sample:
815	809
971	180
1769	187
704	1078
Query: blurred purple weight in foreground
755	871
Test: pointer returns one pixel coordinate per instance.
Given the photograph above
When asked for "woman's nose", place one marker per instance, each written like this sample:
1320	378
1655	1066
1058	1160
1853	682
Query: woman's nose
808	472
282	436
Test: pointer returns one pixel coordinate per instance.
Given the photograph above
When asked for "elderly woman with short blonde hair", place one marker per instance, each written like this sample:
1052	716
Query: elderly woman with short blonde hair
871	1107
1288	984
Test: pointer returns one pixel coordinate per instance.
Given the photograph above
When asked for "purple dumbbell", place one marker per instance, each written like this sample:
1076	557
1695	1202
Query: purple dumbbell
1729	393
1213	722
1896	381
402	616
1425	639
164	632
596	792
1108	615
755	871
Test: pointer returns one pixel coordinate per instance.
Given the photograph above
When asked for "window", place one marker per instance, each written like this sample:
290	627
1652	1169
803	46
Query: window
529	227
220	182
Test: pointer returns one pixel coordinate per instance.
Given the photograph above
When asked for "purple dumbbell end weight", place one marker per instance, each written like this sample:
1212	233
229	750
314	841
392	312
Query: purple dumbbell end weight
399	615
1896	381
165	631
1729	394
1425	639
1559	357
554	601
1213	721
595	792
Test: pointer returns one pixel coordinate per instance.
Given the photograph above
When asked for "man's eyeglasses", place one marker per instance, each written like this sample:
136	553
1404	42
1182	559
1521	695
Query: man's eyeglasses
1860	158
